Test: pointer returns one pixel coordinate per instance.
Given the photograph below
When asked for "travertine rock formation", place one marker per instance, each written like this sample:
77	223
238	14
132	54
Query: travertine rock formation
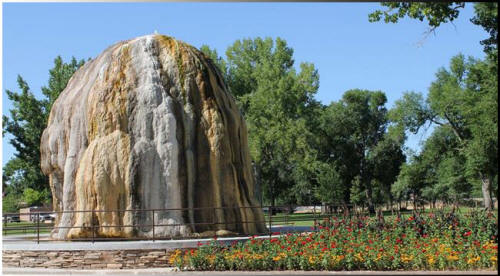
148	124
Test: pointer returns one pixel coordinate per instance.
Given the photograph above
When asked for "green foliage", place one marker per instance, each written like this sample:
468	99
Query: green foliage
28	118
331	186
277	102
10	202
487	17
36	198
463	102
435	13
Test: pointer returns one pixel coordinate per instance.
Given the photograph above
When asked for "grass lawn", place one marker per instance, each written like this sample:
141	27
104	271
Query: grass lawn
15	228
307	219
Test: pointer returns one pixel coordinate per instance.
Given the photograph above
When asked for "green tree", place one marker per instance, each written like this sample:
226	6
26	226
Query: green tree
28	118
412	179
387	158
487	17
437	13
35	198
355	143
463	99
10	202
332	187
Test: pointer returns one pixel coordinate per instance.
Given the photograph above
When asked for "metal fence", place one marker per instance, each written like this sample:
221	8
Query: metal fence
277	220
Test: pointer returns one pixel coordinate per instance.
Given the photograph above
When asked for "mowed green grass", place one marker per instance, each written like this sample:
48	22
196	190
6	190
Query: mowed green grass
307	219
16	228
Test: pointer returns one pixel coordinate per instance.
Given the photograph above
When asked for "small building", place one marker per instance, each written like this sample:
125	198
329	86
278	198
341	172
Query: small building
30	213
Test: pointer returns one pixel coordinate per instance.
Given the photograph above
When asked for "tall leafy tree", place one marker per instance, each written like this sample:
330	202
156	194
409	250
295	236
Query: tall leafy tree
355	143
463	99
27	120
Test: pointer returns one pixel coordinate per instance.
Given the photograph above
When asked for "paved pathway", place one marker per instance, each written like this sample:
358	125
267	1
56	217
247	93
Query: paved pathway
22	242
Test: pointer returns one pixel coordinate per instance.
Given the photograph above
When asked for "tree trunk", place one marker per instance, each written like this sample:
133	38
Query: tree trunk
390	203
371	207
486	188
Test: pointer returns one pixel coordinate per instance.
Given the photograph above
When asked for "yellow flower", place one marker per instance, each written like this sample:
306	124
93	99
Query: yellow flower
359	257
452	257
174	256
473	260
431	260
277	258
257	257
312	259
493	258
337	258
406	258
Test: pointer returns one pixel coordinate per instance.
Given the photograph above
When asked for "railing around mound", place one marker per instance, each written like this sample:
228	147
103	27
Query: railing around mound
277	220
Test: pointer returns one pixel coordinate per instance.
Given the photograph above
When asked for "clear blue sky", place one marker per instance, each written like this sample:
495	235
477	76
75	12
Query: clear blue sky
348	51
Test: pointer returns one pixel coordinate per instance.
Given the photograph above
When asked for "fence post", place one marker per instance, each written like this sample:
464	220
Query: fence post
38	228
153	213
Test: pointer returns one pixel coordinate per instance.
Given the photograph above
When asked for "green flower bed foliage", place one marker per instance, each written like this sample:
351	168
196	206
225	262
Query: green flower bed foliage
434	241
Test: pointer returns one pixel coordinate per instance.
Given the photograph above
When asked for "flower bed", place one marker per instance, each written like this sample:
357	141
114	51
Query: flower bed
434	241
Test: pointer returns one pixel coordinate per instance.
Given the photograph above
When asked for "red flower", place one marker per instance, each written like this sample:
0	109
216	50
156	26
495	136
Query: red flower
411	218
333	245
370	241
289	248
324	249
467	233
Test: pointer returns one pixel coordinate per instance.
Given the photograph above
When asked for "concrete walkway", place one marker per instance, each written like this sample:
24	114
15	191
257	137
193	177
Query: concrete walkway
24	242
170	271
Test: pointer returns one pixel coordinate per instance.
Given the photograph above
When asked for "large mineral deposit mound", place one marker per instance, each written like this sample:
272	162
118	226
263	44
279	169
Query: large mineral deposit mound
149	124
